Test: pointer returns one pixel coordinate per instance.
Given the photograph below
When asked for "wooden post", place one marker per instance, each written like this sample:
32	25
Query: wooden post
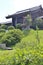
13	21
16	21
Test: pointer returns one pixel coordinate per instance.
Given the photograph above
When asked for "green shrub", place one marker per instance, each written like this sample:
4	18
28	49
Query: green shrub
2	30
11	28
3	26
12	37
18	26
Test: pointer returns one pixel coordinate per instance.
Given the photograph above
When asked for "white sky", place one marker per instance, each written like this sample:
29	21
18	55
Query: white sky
8	7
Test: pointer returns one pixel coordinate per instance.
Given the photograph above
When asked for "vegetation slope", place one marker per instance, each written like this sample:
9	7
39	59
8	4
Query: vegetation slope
29	51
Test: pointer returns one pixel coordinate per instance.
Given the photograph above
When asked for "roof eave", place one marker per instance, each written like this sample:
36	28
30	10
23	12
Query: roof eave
9	16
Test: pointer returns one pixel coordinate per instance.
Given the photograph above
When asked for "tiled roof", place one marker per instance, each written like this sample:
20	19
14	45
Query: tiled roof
30	9
26	10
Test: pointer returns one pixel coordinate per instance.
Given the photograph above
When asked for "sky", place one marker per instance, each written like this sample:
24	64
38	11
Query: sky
8	7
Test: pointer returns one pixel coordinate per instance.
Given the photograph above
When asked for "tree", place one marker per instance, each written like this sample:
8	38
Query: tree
38	22
28	21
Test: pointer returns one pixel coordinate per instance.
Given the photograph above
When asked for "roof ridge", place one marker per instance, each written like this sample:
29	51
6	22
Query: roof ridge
29	8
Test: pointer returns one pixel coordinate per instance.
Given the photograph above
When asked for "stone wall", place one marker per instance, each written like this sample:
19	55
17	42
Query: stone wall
3	46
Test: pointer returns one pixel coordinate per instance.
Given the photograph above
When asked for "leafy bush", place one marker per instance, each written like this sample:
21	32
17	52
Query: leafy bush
18	26
3	26
11	27
2	30
12	37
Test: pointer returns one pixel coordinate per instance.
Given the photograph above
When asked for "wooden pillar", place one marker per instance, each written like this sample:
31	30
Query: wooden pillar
13	21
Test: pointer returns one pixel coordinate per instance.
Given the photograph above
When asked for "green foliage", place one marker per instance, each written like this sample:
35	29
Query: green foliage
26	32
39	23
1	35
3	26
11	28
27	52
12	37
18	26
37	36
2	30
28	20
